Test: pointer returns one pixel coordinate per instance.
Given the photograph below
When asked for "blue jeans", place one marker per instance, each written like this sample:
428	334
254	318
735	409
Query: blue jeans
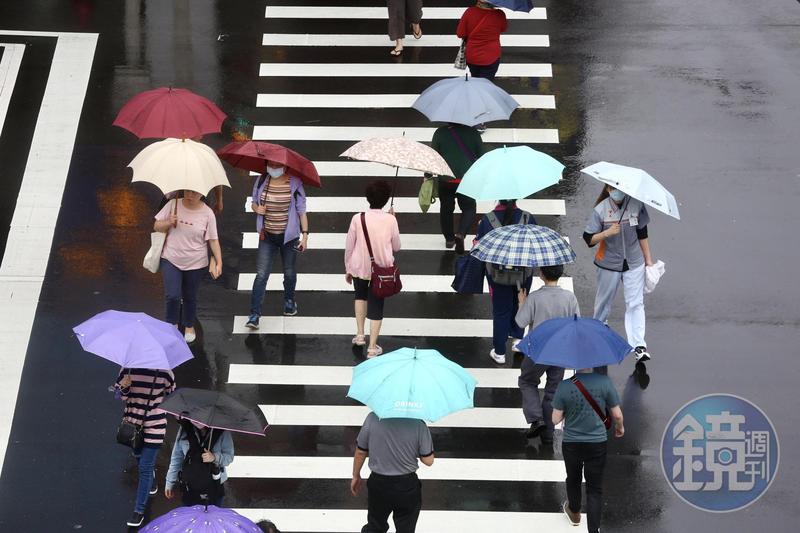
181	286
146	457
504	309
268	249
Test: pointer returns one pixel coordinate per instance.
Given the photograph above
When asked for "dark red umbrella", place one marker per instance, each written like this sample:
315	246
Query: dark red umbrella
253	155
168	112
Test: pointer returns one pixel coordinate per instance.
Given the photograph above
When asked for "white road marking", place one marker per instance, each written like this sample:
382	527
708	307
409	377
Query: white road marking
9	67
451	469
399	327
357	133
348	204
323	375
377	101
354	415
353	39
356	12
33	225
400	70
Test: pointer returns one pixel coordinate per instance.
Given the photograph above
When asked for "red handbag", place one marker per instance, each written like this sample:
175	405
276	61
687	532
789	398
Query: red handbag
605	417
385	281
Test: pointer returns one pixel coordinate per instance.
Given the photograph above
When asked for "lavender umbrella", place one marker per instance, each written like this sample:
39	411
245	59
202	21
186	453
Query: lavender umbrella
133	340
201	519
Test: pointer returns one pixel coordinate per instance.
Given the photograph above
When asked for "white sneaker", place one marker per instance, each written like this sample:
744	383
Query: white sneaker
514	343
499	359
642	354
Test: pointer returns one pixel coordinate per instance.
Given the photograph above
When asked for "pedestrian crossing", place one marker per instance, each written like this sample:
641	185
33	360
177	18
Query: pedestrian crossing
310	413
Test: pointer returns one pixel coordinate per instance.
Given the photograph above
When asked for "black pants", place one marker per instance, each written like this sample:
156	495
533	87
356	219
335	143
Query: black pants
447	199
397	495
587	459
484	71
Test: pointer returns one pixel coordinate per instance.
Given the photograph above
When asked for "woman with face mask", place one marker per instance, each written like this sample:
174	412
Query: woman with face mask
191	228
279	202
619	226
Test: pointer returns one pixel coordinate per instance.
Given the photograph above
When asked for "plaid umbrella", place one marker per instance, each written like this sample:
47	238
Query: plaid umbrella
525	245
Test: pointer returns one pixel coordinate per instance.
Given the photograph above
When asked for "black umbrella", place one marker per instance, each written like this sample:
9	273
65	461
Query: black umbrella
215	410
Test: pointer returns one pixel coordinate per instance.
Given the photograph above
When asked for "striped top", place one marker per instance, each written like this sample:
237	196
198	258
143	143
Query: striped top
141	405
276	197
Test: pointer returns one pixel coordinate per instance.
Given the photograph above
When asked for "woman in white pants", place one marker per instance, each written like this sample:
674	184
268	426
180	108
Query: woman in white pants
619	225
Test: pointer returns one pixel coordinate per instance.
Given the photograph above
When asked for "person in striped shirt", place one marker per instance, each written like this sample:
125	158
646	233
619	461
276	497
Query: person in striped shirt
143	390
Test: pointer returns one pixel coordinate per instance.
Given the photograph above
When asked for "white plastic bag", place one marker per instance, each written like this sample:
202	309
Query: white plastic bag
152	258
652	274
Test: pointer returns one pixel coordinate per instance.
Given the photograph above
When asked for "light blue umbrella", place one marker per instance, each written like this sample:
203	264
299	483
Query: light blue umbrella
412	383
636	183
510	173
525	245
464	100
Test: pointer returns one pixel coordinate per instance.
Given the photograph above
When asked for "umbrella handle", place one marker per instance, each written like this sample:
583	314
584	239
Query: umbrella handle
175	211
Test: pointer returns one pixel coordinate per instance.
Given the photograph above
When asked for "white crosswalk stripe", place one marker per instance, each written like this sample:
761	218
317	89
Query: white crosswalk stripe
377	101
397	70
357	133
357	12
353	39
350	204
398	327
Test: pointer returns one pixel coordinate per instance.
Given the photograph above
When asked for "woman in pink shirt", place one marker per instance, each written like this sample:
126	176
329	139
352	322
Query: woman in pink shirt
384	236
184	258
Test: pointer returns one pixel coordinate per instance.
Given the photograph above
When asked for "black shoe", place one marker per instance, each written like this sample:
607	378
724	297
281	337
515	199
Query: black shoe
154	486
642	354
449	244
289	308
252	322
536	429
459	244
136	519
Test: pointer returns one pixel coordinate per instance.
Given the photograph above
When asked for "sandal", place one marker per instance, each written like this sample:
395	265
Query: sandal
374	352
396	52
417	35
359	340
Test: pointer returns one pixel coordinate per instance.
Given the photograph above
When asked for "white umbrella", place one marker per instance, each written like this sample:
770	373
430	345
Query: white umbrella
179	164
636	183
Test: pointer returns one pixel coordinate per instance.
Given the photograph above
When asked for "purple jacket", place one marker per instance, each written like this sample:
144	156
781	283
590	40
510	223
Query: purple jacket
297	206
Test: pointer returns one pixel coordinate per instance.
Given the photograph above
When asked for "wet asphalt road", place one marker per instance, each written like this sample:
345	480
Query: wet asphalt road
702	95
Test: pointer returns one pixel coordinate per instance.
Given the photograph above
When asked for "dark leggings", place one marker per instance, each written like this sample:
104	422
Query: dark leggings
374	304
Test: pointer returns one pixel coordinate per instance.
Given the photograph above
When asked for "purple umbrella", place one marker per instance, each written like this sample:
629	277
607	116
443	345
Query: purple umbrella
133	340
201	519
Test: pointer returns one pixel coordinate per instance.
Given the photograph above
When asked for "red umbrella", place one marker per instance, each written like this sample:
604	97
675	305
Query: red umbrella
253	155
168	112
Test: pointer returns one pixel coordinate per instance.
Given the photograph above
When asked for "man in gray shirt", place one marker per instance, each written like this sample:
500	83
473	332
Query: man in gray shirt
393	446
551	301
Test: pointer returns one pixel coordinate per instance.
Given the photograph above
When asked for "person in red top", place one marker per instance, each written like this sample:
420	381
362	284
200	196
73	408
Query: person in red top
481	25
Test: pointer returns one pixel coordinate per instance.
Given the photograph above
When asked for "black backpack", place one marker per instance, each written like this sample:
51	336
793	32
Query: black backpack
514	276
196	476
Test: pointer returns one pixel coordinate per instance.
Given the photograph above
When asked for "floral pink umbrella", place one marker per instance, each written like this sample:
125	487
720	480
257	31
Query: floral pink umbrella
399	152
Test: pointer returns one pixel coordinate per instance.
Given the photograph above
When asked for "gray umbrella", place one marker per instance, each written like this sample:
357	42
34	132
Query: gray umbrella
215	410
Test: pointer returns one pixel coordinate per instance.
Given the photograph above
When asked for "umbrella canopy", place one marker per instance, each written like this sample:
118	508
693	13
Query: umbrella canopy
574	343
636	183
179	164
465	100
399	152
514	5
214	409
411	383
133	340
168	112
201	519
510	173
524	245
252	155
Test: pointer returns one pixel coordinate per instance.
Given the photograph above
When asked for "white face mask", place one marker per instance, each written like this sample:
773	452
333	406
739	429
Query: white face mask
276	172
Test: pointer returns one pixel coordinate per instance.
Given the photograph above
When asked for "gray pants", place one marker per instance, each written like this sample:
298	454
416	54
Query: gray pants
533	407
402	13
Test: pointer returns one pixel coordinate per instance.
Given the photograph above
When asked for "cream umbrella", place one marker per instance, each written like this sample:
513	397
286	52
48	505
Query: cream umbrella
401	153
179	164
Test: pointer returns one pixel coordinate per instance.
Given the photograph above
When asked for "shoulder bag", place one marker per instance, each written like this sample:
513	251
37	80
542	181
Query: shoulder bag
604	417
131	434
152	259
461	57
385	281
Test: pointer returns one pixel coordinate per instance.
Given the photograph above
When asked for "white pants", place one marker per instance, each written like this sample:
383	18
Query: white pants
608	282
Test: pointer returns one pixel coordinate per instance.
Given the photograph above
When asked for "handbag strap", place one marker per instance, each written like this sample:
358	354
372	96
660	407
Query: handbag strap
589	398
463	147
478	25
366	236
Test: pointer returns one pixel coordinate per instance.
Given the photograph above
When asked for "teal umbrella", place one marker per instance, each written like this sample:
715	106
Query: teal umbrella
510	173
412	383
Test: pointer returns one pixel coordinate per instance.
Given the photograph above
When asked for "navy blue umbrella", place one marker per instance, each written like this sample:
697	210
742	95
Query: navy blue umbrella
574	343
514	5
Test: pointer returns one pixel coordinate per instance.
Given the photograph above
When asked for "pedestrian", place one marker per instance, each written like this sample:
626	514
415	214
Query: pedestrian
619	225
279	202
481	25
584	442
384	236
550	301
143	390
403	13
393	446
191	229
505	303
460	146
199	458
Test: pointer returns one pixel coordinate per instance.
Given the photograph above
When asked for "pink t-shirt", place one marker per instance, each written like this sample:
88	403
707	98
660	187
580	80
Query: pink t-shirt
186	245
384	235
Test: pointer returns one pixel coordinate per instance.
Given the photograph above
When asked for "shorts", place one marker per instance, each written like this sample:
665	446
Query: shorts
374	304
